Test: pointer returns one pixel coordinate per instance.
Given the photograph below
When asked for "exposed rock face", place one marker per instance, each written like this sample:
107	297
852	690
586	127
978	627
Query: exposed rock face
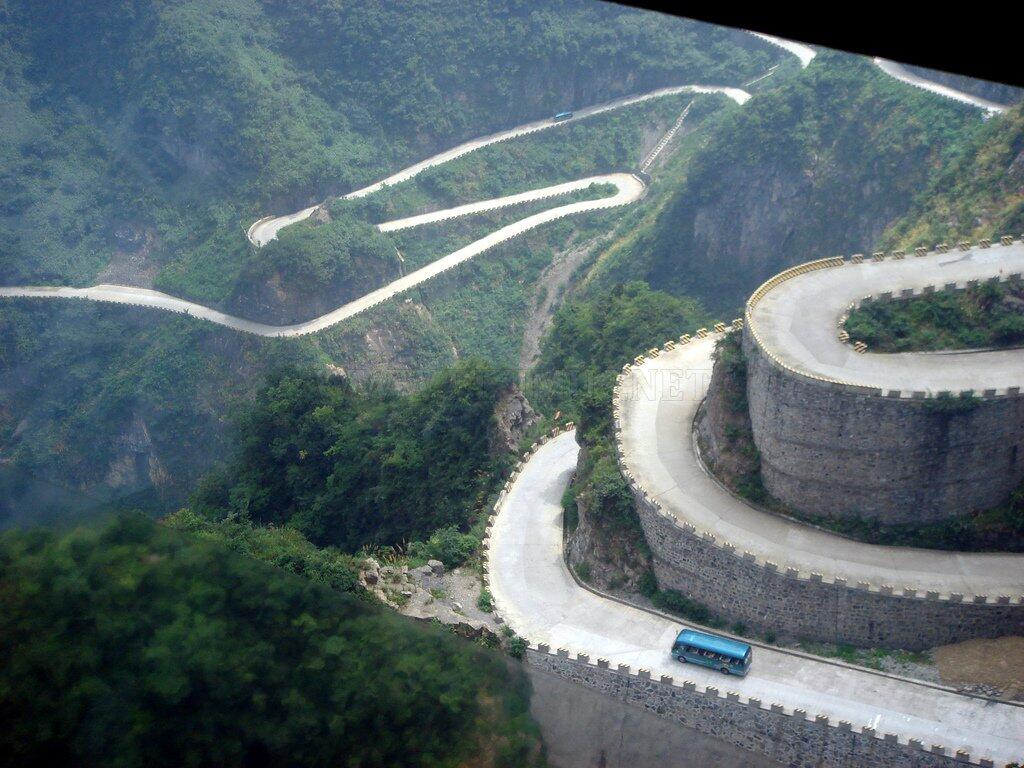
280	298
723	424
514	416
320	216
136	463
766	219
608	558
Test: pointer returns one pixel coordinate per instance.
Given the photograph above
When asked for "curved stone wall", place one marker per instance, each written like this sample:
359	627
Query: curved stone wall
794	737
831	450
739	588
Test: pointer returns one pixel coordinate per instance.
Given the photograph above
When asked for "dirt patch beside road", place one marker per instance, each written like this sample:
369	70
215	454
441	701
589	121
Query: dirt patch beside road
984	666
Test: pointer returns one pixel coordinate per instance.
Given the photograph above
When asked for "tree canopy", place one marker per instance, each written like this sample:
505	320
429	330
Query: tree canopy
354	469
136	645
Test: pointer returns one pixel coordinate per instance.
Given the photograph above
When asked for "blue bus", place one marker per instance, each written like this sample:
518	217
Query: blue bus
562	116
730	657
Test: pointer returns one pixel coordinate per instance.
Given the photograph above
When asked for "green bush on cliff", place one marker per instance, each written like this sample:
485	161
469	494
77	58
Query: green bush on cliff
355	469
990	315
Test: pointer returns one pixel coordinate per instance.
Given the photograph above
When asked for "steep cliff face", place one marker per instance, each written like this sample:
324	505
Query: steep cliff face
605	548
723	423
819	166
513	417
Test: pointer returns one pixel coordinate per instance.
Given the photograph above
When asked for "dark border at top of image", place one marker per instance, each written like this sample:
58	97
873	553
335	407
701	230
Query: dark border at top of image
977	44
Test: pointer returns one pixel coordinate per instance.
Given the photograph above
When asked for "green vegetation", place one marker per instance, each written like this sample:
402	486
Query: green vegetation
485	602
308	271
589	341
818	165
135	645
360	469
445	544
141	139
426	243
987	316
886	659
162	130
604	143
1000	529
976	193
284	548
134	399
737	461
675	602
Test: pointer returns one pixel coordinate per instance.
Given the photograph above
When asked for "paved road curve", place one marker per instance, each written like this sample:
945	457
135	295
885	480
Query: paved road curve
901	73
806	54
803	52
266	229
537	596
797	320
658	404
628	189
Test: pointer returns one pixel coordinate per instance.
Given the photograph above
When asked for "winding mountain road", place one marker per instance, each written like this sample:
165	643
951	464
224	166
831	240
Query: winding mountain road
797	318
528	577
904	75
538	598
629	188
266	229
806	54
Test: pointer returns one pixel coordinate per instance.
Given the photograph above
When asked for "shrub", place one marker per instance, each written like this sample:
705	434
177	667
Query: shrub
447	545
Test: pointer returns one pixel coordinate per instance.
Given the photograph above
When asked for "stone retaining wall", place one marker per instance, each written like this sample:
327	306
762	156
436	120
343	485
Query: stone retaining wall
766	598
791	737
769	597
835	450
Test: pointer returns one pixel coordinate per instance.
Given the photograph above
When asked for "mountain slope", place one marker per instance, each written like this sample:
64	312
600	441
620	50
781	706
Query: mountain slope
818	166
978	193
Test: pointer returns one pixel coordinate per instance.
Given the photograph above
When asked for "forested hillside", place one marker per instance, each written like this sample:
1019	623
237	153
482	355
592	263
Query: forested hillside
145	134
141	137
138	646
978	192
819	166
140	153
354	469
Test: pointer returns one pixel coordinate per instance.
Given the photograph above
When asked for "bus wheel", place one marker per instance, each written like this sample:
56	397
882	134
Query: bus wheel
725	670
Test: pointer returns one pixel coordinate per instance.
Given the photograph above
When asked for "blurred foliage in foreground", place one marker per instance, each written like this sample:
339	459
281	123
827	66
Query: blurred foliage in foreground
137	646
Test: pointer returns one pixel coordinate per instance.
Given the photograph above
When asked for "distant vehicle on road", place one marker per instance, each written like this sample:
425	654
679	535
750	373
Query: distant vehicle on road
730	657
562	116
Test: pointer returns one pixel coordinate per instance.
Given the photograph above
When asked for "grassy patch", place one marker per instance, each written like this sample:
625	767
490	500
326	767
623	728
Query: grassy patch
987	316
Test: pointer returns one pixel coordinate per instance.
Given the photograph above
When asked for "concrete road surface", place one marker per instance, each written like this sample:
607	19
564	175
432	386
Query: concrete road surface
539	599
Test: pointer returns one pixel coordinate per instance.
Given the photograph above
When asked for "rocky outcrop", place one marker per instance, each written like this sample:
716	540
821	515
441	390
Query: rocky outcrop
513	416
135	462
800	174
607	556
723	421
